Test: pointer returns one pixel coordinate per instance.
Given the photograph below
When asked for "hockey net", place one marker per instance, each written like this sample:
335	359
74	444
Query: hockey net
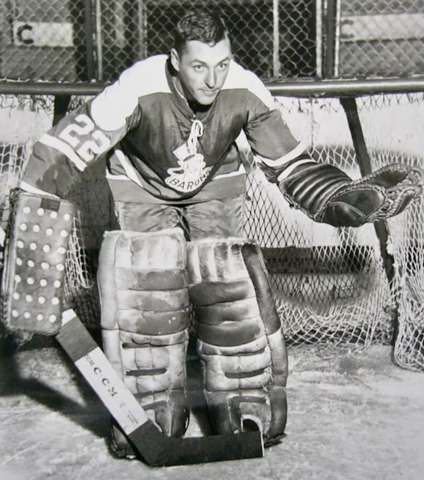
330	285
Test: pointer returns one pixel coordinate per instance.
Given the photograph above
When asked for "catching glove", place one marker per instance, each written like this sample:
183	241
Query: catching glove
326	194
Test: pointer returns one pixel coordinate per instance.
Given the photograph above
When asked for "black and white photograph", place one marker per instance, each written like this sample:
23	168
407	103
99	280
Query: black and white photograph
211	239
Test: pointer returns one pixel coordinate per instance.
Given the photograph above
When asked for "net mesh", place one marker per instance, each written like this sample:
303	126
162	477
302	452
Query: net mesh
330	284
404	143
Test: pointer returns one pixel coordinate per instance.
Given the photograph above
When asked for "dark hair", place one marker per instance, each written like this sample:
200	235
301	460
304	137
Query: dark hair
202	26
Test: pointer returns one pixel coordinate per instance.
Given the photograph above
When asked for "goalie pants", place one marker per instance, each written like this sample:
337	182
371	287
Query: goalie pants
215	218
245	366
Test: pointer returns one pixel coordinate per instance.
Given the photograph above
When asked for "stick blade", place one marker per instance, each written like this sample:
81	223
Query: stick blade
159	450
155	448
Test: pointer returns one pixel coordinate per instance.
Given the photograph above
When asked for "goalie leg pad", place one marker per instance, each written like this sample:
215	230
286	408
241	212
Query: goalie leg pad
145	318
240	340
34	267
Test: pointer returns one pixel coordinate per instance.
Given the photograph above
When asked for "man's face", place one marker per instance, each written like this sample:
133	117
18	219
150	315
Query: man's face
202	69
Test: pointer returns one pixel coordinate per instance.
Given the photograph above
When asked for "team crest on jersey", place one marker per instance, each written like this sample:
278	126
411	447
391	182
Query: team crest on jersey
190	174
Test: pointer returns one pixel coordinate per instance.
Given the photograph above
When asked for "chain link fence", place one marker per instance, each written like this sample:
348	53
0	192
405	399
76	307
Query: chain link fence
330	287
380	38
94	40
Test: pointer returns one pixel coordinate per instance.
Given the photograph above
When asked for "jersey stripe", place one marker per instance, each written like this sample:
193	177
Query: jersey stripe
290	169
279	162
64	148
240	171
31	189
129	169
119	178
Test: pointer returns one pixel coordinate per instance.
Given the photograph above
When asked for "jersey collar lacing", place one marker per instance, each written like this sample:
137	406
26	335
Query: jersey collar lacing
195	133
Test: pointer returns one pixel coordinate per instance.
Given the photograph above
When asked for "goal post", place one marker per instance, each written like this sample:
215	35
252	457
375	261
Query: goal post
330	284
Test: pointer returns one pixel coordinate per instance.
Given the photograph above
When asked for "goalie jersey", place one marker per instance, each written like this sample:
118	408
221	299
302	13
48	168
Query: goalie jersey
158	149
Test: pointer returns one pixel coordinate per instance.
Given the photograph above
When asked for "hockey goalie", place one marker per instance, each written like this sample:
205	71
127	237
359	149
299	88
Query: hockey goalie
168	128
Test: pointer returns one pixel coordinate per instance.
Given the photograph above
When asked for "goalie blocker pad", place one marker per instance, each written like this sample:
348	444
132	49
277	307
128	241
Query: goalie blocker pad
240	340
34	265
145	318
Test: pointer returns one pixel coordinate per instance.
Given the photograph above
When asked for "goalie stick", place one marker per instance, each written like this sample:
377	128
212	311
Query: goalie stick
31	242
156	449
